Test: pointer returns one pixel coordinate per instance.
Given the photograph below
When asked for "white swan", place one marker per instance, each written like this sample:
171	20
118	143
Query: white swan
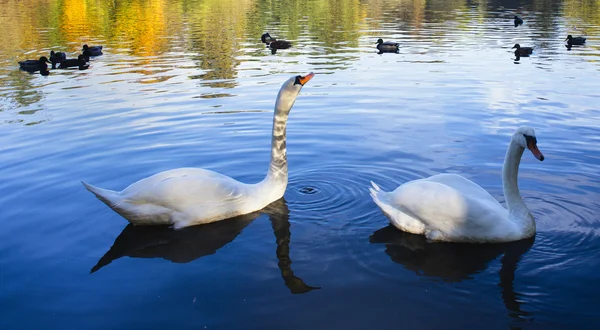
191	196
451	208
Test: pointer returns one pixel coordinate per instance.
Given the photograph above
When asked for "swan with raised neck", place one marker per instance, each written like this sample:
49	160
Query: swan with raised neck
191	196
274	184
524	137
451	208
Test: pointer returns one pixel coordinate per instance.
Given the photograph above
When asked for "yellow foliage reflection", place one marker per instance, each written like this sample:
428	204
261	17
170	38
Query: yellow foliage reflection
215	34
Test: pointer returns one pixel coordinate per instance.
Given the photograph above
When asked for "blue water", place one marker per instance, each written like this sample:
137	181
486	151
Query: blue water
191	85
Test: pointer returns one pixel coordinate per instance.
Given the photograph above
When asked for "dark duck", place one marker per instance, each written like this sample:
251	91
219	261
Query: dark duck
57	58
518	21
266	38
79	62
91	50
280	44
575	40
522	51
274	43
387	47
36	65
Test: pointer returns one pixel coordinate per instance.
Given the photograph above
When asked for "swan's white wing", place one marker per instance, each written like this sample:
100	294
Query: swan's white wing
449	214
463	185
188	188
182	197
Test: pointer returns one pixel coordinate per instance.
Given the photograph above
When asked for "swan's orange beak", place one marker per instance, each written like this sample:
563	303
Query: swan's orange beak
305	79
532	146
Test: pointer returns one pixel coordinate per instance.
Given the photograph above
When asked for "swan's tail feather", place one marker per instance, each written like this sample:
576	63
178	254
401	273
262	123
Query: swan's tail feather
109	197
398	217
375	186
381	198
374	191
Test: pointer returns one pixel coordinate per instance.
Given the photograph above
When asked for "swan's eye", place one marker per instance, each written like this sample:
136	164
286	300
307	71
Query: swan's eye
530	138
298	82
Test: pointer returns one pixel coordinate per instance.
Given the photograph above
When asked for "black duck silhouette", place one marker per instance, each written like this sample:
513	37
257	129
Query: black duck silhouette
57	58
275	44
74	62
577	41
522	51
32	66
387	47
88	51
518	21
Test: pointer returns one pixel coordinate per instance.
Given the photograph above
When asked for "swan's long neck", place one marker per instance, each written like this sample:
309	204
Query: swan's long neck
518	211
274	184
278	170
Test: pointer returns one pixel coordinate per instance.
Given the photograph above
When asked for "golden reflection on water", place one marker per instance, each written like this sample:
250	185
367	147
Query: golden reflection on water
218	24
143	25
215	35
209	27
215	28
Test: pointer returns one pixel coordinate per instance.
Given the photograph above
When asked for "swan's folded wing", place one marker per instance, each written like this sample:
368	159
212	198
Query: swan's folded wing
445	209
465	186
181	189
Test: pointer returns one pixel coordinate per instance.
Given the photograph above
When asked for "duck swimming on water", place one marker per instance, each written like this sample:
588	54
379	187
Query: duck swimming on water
280	44
518	21
266	38
92	50
75	62
273	43
387	47
522	51
36	65
57	57
575	40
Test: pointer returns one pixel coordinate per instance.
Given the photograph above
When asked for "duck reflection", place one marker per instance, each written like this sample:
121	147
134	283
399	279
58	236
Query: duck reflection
453	262
517	59
191	243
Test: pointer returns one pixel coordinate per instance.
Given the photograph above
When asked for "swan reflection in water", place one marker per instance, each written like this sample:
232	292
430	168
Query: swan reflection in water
455	262
188	244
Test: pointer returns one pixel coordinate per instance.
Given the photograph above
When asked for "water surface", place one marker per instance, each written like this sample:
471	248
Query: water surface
188	83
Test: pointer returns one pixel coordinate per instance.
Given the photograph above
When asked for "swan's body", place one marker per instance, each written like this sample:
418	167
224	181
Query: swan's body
186	196
191	196
449	207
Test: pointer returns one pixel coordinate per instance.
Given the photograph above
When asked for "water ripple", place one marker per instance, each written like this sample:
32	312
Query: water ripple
189	83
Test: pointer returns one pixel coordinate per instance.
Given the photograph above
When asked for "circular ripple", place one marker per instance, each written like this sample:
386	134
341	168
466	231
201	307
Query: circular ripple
341	203
341	191
336	199
308	190
565	252
567	230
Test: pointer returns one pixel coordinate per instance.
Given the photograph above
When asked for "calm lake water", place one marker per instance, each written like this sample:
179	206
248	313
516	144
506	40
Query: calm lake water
189	84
